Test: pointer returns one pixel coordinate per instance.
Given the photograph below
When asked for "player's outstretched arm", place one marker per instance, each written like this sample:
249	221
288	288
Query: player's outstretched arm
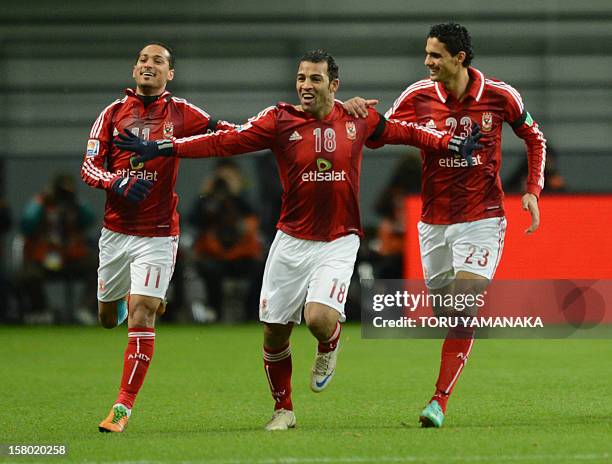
257	134
408	133
530	203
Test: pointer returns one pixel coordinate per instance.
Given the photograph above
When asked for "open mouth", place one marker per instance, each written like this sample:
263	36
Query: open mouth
308	97
147	74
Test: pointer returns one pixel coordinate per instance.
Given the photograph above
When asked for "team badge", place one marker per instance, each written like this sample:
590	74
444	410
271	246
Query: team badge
93	147
351	130
168	129
323	165
136	166
487	122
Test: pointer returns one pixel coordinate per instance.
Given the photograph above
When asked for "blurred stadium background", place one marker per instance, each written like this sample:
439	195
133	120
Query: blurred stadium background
62	62
206	398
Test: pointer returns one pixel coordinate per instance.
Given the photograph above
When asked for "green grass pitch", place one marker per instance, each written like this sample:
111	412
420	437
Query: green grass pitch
206	399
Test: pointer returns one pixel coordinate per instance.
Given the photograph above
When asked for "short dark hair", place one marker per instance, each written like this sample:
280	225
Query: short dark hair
318	56
456	38
163	45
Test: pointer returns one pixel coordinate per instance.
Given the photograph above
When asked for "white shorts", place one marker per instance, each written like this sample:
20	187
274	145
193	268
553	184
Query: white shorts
474	247
134	264
302	271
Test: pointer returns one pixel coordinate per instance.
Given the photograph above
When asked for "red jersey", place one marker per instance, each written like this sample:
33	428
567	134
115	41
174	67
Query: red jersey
319	161
165	117
451	191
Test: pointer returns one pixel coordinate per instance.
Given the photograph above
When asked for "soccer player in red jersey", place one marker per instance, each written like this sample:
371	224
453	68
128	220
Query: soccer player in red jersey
462	225
318	148
139	239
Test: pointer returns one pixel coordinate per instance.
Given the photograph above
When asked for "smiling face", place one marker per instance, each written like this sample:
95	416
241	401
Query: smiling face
314	89
152	70
443	67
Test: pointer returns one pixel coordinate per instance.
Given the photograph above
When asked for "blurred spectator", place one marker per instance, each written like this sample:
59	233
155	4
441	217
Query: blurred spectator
54	226
388	247
227	243
270	195
553	181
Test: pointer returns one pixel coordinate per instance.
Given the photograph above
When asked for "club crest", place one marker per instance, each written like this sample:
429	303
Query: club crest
136	166
168	129
351	130
487	122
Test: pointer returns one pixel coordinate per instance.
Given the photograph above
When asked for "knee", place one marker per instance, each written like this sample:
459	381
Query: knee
319	317
107	315
316	321
320	326
107	320
142	310
468	283
276	335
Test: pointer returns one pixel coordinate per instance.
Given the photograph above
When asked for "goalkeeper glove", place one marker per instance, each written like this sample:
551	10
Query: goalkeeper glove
465	147
145	149
131	188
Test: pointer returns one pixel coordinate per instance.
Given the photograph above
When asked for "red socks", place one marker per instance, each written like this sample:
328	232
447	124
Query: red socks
277	364
332	342
137	357
455	351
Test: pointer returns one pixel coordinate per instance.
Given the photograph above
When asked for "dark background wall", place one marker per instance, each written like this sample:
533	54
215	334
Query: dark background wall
62	63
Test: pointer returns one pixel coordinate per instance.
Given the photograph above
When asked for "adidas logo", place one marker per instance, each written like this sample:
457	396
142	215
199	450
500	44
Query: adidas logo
295	136
431	124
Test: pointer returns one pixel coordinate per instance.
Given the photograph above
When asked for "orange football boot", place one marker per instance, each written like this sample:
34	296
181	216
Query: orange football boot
117	419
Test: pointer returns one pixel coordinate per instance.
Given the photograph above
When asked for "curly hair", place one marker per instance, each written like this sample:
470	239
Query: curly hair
456	38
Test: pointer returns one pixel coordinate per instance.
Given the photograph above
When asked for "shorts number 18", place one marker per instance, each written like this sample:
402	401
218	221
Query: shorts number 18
341	291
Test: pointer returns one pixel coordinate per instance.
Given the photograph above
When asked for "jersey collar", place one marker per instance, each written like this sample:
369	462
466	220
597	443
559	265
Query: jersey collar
477	82
132	93
333	114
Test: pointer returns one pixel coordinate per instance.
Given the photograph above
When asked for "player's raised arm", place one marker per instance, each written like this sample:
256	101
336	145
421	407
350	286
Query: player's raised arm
396	132
257	134
198	121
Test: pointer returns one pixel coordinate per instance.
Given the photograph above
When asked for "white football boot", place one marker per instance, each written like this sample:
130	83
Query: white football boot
323	369
282	419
